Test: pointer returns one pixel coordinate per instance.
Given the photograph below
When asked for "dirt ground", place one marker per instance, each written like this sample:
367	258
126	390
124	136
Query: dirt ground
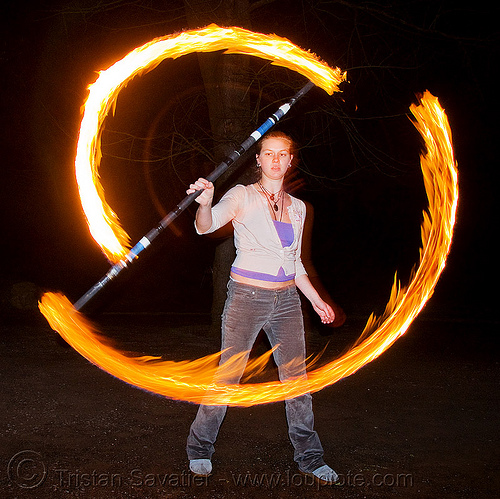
420	421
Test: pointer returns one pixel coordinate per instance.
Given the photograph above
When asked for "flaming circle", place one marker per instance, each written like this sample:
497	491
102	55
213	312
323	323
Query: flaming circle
102	221
196	381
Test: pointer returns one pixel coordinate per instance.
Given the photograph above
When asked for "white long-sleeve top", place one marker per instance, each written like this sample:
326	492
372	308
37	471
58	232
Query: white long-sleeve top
258	247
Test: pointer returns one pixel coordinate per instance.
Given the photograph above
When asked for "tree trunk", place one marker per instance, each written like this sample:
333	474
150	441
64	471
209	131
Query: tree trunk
226	83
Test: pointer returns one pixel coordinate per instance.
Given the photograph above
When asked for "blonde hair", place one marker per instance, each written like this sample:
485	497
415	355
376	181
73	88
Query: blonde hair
276	134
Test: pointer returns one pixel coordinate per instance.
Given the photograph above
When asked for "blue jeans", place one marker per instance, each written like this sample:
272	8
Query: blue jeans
249	309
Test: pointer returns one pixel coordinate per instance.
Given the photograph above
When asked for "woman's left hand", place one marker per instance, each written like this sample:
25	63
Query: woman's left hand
325	311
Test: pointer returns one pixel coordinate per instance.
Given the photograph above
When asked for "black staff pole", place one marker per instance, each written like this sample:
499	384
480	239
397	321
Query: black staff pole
212	177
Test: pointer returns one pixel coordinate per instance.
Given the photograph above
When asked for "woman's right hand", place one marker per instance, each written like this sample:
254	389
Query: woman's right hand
205	198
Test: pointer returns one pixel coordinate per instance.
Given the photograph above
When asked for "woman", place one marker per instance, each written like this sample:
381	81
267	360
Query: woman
268	225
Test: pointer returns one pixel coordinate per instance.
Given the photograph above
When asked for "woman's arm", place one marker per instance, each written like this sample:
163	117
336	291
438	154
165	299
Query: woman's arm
210	218
325	311
204	212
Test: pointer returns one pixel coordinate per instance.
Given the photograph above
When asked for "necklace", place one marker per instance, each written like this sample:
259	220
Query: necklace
270	197
273	203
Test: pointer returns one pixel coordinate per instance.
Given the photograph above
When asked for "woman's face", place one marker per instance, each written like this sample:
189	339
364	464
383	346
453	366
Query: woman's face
274	158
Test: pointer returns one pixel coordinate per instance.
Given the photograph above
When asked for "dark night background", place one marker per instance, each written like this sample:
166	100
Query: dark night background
368	203
359	169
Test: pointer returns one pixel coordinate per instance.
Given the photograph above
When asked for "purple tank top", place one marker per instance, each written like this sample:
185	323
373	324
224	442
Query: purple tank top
285	233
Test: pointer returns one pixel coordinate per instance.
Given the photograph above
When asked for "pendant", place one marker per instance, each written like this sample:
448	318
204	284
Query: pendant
276	207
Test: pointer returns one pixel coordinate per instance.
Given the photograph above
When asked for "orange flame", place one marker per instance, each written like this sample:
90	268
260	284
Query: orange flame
103	222
196	381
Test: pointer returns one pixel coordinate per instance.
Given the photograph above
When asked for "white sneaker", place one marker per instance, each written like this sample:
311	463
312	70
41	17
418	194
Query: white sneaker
202	467
325	475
